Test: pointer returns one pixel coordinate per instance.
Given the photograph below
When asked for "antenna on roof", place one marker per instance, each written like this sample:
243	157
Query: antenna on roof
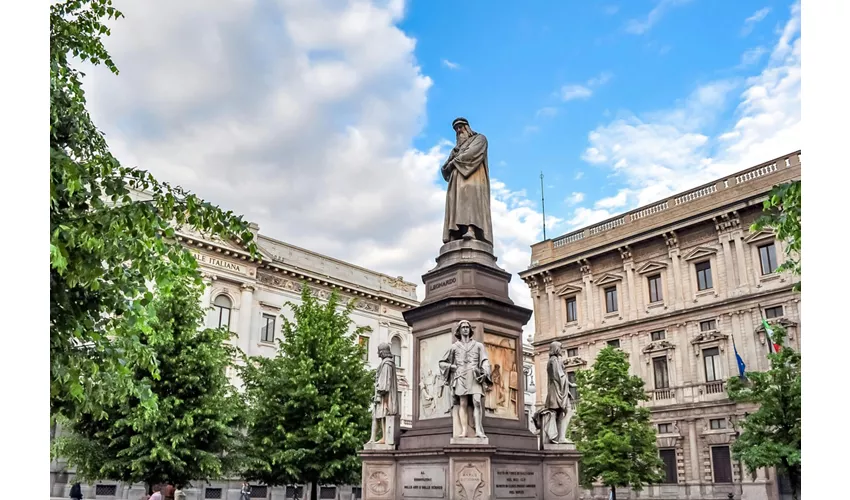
543	204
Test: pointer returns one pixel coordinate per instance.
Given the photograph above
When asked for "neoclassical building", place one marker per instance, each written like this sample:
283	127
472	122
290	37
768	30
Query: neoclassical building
248	295
678	285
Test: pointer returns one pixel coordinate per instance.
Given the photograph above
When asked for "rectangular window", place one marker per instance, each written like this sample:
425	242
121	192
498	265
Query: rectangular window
773	312
704	275
659	366
294	491
712	364
327	492
767	255
267	331
614	343
364	341
572	310
105	490
572	352
717	423
665	428
668	456
571	377
655	294
722	463
212	493
658	335
708	325
258	491
611	299
357	491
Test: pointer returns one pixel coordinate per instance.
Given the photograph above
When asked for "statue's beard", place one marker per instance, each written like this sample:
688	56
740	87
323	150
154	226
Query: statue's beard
461	137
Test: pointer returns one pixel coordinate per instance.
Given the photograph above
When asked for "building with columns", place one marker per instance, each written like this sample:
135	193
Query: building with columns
248	295
678	285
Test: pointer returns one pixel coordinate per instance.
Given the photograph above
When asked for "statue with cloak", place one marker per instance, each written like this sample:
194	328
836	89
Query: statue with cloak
385	405
554	417
468	195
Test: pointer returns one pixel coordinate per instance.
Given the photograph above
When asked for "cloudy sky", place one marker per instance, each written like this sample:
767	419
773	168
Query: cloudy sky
326	121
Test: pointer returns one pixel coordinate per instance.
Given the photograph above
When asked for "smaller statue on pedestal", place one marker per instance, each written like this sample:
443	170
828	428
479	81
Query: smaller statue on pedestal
554	417
385	409
466	370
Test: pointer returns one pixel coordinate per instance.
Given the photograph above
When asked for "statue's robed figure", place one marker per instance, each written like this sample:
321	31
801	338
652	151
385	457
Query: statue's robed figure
468	195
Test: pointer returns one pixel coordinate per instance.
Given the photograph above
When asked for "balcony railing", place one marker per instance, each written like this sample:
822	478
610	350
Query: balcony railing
662	394
716	387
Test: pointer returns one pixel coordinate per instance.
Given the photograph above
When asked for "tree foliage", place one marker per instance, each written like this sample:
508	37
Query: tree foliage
610	428
195	430
771	436
783	213
309	404
105	247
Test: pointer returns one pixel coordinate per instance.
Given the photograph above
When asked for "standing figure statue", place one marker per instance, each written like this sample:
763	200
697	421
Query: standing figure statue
385	406
554	417
468	195
466	369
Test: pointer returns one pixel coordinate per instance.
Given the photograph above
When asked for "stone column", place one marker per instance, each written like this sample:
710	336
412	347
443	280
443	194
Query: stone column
743	275
550	296
246	307
696	475
732	280
629	268
587	279
677	293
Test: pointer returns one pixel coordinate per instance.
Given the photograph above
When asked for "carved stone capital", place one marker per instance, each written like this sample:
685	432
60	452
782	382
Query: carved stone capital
247	288
585	267
727	222
625	253
672	240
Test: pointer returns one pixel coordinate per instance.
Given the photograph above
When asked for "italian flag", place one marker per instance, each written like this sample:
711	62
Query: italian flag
774	347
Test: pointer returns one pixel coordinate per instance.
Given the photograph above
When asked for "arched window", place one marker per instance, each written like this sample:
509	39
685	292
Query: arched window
223	305
395	348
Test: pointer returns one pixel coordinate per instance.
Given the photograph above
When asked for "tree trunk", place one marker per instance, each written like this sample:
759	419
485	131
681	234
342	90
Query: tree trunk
794	479
613	493
314	490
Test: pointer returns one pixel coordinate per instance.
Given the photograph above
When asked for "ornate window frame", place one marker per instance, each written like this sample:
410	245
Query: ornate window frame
608	280
568	291
754	241
696	256
645	271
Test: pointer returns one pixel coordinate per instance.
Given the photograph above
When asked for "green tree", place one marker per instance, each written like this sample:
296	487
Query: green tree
194	432
610	429
105	247
310	404
771	436
783	213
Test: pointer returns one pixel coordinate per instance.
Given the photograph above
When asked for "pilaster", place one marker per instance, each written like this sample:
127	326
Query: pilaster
587	279
246	306
549	286
633	291
677	293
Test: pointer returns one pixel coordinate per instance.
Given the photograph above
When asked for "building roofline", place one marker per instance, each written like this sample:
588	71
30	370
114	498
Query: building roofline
653	204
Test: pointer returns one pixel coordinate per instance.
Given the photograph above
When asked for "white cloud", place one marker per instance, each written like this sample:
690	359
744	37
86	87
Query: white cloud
617	201
546	112
570	92
753	56
750	22
641	26
450	65
576	91
670	150
578	175
299	115
574	198
583	216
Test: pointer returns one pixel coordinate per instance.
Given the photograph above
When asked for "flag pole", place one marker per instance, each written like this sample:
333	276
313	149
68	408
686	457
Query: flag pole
543	205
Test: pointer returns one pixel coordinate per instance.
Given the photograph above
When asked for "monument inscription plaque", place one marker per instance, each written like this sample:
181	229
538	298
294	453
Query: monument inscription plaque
515	481
423	481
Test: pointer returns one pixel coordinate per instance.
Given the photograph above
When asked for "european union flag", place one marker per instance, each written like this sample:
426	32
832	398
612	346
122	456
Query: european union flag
742	368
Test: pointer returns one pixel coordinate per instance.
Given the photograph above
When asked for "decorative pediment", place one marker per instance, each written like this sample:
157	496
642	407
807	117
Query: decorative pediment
668	441
657	346
574	361
652	266
609	278
784	323
700	253
568	290
759	236
710	336
191	236
717	438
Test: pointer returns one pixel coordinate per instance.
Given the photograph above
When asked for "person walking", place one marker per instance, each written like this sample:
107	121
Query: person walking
157	492
76	492
245	493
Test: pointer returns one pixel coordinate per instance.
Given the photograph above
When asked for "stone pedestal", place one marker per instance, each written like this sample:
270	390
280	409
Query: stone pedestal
430	462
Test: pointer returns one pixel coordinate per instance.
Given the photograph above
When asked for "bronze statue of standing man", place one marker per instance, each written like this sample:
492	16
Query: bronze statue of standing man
468	195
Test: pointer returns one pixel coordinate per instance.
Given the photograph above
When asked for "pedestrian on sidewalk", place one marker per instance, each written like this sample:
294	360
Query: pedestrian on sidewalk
76	492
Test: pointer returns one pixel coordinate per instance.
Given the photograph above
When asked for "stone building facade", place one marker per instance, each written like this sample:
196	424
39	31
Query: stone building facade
678	285
248	295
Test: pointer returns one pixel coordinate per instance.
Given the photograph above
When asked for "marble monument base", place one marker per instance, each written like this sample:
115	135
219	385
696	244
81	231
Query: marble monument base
467	441
471	473
559	446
